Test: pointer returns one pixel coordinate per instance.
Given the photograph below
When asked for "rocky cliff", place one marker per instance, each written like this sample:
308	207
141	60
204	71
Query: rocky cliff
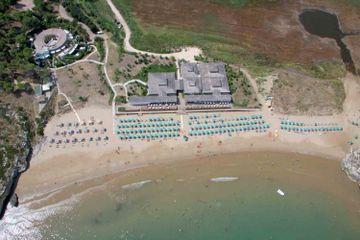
15	151
351	165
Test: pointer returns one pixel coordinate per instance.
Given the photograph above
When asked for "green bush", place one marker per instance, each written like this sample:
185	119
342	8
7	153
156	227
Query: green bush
120	99
99	43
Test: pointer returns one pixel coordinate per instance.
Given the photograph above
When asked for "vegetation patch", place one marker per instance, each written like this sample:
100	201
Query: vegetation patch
84	83
321	69
154	68
136	89
166	39
243	3
49	38
120	99
100	12
130	65
243	94
45	115
296	93
99	43
77	12
15	137
231	31
16	57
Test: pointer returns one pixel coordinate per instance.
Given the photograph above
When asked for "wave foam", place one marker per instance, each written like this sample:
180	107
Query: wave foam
137	185
23	222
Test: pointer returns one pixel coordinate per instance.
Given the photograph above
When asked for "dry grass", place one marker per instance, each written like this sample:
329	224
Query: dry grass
124	66
62	106
95	57
295	93
24	100
277	33
83	85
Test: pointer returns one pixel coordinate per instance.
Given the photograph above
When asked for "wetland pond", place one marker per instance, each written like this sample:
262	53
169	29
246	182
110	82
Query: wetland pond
326	25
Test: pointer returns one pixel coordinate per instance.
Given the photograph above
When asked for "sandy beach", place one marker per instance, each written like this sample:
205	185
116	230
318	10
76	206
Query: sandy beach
54	168
62	175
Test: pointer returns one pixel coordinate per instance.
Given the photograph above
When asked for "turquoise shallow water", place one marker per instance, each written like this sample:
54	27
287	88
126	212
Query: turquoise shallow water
184	204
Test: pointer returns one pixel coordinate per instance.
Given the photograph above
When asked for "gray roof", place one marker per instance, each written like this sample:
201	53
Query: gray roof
201	82
191	78
146	100
213	69
161	84
203	98
204	78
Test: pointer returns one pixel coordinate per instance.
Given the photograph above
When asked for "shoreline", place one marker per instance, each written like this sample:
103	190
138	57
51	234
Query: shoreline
79	188
268	167
54	172
53	168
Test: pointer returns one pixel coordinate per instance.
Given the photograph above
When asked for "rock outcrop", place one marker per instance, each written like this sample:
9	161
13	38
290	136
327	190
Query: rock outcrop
351	165
15	151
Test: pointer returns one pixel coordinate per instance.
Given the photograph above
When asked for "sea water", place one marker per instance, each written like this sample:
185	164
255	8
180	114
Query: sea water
222	198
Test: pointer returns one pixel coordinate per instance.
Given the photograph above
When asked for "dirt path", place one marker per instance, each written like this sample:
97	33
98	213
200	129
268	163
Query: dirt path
68	100
254	85
187	53
108	80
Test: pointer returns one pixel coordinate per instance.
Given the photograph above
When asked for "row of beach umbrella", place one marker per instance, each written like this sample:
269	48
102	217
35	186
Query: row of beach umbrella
149	125
239	118
228	130
291	123
228	124
149	136
212	125
147	129
311	129
140	131
138	120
